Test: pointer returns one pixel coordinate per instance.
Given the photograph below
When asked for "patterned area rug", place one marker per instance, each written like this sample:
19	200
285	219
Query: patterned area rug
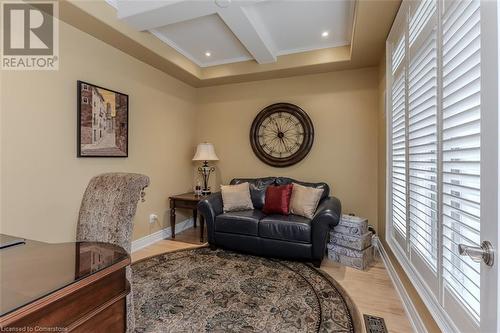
201	290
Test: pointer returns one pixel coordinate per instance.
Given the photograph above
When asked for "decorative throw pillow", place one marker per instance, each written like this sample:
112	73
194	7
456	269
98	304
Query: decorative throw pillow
304	200
258	191
278	199
236	197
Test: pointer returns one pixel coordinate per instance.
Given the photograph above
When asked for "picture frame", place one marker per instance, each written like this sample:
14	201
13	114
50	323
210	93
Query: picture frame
102	121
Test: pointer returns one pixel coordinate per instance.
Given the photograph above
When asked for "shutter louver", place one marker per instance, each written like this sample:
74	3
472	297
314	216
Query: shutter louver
398	55
461	148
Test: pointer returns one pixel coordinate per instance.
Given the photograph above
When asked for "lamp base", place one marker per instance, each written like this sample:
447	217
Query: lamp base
205	171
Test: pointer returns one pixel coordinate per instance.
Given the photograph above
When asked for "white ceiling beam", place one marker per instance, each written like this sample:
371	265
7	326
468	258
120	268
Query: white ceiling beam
250	33
147	15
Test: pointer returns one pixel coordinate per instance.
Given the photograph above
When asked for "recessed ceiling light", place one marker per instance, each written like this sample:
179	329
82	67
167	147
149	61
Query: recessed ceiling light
208	54
223	3
324	34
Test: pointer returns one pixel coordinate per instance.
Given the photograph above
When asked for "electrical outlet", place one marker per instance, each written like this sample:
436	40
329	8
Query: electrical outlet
153	218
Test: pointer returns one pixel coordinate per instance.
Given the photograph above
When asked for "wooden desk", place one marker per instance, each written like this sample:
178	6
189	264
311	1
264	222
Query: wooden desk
77	287
187	201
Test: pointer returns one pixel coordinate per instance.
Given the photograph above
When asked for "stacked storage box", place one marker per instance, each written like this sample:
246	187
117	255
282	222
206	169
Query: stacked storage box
350	242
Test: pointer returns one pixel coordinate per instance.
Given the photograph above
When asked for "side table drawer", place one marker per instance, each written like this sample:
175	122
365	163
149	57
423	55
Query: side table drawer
185	204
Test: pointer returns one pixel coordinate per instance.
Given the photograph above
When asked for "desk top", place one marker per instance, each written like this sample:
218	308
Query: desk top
33	270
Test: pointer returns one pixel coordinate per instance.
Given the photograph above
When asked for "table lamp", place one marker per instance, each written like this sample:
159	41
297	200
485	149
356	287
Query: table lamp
205	152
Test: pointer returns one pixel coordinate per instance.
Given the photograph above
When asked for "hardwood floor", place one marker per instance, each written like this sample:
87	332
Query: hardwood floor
372	290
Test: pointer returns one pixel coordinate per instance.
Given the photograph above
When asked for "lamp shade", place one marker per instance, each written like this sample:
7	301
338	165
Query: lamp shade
205	152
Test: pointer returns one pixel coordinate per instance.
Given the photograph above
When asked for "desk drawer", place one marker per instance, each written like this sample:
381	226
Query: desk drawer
78	303
111	319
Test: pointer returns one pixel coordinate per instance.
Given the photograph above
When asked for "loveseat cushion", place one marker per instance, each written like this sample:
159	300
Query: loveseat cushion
258	188
236	197
278	200
245	222
323	186
304	200
290	228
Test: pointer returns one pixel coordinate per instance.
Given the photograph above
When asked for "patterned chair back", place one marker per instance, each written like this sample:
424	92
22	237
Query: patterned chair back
108	208
106	215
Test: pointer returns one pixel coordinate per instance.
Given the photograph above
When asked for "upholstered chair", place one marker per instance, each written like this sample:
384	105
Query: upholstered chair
106	213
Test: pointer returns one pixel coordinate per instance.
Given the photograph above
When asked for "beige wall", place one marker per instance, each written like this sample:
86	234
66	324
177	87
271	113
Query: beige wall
343	107
43	181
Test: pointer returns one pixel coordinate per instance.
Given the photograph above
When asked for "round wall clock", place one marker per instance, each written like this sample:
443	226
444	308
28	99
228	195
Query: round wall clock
282	134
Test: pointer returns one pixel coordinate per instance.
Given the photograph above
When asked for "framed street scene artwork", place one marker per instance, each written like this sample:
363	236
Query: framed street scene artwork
102	122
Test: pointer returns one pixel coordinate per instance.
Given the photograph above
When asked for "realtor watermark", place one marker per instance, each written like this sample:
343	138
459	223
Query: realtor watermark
30	35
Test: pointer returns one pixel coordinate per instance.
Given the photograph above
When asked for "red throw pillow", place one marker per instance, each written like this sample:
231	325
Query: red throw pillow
278	199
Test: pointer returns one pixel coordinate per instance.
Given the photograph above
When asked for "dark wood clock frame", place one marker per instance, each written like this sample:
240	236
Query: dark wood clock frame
305	146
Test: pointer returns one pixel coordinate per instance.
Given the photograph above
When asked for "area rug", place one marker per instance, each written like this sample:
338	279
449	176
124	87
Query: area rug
201	290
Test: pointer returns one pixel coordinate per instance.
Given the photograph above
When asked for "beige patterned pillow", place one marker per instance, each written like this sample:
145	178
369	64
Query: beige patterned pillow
236	197
304	200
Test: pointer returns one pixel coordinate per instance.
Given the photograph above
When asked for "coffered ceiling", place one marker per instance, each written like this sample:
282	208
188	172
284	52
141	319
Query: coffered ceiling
209	42
218	32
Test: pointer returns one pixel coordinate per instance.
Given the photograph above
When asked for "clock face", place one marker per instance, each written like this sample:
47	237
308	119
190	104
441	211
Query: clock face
282	134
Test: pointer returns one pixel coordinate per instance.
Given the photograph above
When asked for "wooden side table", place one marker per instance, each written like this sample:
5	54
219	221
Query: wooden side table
187	201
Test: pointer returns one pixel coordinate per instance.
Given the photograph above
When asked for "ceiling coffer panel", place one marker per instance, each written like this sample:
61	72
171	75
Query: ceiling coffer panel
196	37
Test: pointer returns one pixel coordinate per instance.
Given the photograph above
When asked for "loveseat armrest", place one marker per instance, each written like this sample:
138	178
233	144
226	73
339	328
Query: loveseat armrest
326	217
209	208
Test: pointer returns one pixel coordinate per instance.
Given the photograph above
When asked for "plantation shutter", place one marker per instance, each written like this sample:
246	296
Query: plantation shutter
422	127
434	99
399	156
398	139
461	149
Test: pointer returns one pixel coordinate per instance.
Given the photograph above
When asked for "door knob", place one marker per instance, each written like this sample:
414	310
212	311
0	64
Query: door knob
476	253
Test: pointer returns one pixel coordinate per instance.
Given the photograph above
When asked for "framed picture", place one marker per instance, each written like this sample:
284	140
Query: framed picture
102	122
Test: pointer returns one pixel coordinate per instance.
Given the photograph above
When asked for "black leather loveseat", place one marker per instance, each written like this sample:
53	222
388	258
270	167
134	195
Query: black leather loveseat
251	231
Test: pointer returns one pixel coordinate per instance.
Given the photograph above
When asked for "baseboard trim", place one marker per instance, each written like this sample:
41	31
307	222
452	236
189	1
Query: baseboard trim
161	234
415	319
